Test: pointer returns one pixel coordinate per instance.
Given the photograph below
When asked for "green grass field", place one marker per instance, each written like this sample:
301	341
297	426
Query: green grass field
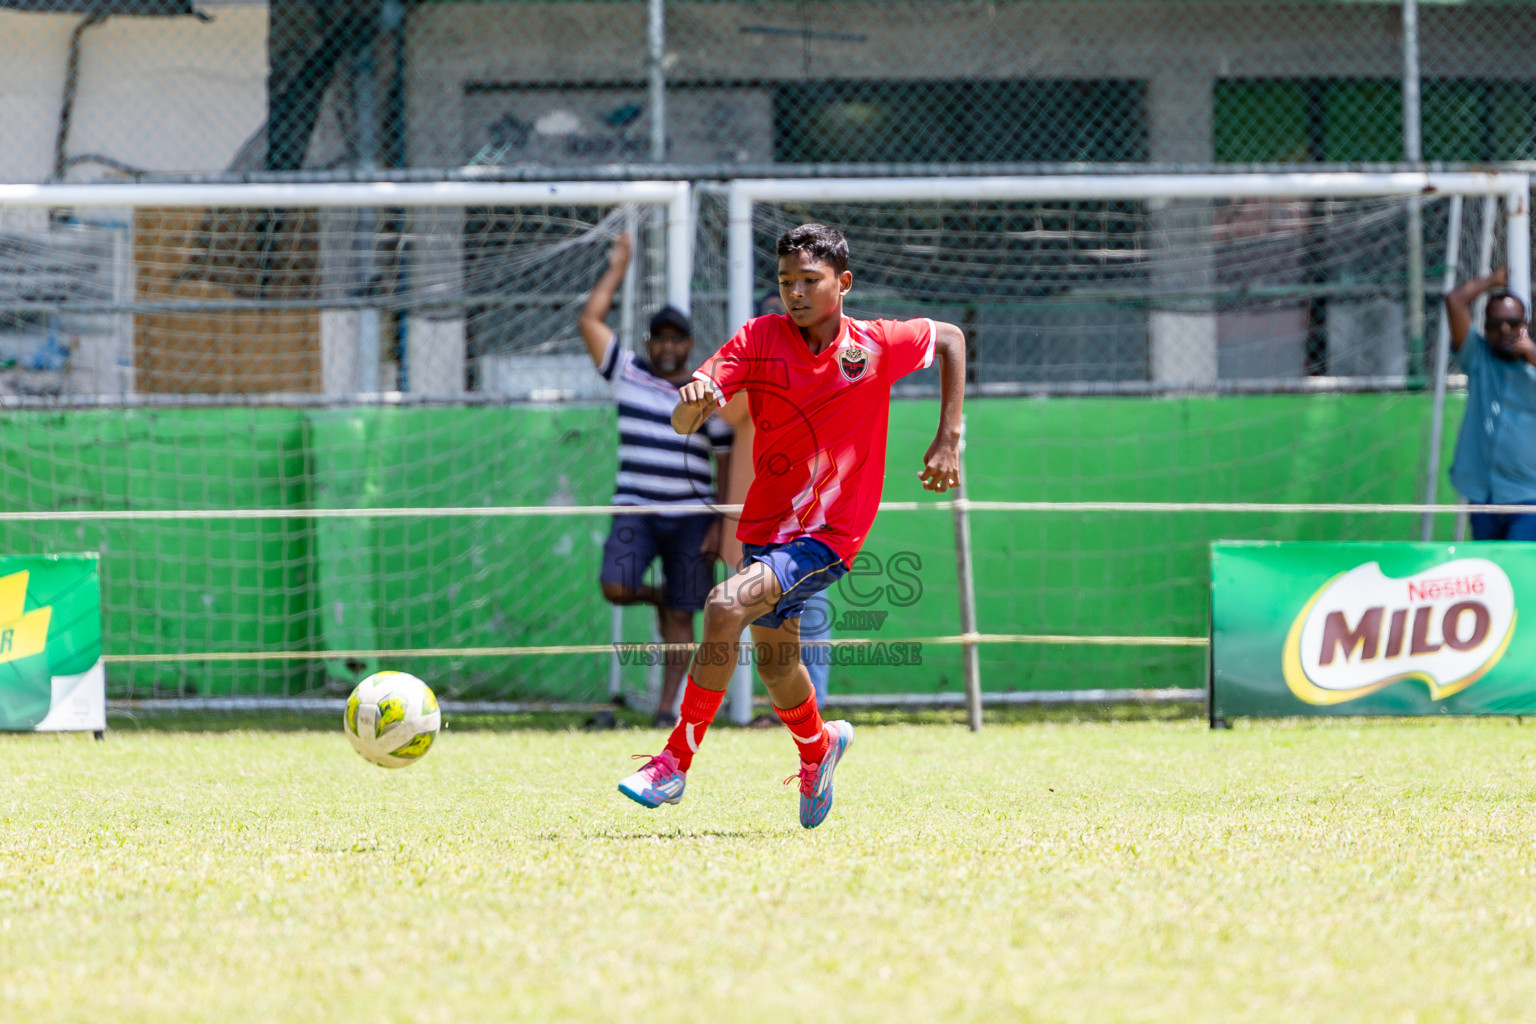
1046	870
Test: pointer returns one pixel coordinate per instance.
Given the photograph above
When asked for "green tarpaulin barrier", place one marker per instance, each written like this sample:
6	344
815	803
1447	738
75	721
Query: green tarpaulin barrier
51	673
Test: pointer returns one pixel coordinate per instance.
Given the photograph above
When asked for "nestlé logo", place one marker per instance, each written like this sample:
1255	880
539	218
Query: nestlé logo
1363	631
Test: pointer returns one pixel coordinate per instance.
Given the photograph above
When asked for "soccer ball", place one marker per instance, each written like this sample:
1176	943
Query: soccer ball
392	719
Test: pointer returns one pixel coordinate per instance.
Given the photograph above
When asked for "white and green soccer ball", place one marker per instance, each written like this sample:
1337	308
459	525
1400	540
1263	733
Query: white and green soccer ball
392	719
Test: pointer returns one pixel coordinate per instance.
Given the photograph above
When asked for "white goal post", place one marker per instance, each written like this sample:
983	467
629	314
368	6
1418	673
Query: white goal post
676	195
743	196
744	193
753	210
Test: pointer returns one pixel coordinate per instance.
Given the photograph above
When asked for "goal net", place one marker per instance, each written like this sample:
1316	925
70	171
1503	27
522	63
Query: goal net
1139	340
251	350
313	430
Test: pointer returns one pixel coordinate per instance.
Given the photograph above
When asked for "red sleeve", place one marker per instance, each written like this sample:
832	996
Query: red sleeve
745	362
908	345
726	370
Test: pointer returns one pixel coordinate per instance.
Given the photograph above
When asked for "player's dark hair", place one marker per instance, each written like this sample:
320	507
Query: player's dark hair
1501	295
819	242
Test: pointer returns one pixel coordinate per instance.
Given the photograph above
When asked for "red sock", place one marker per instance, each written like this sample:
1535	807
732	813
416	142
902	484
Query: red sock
804	723
699	707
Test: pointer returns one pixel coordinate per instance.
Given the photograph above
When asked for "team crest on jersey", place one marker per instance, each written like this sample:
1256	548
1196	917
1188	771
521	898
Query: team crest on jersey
853	361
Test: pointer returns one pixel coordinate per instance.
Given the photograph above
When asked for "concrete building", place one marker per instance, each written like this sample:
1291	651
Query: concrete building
444	84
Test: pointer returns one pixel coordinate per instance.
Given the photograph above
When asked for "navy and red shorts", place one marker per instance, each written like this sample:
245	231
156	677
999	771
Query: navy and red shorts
804	568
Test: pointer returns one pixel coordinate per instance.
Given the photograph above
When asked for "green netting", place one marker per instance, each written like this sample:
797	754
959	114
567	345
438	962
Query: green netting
304	584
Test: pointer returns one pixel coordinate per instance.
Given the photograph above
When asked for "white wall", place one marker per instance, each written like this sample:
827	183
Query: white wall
31	91
164	94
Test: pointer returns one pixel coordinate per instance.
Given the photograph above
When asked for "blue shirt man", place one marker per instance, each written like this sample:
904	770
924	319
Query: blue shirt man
1496	451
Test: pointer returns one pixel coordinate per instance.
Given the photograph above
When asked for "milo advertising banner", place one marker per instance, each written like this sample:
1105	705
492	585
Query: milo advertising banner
51	675
1372	629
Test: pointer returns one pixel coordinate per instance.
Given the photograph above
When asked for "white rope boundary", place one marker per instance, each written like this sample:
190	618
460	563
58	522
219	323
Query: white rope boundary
335	705
1037	639
516	511
961	505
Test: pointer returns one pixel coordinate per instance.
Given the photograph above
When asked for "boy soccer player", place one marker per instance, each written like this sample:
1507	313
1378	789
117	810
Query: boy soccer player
819	389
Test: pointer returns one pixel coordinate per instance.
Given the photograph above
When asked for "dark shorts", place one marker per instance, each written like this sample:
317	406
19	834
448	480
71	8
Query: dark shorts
804	568
687	573
1502	525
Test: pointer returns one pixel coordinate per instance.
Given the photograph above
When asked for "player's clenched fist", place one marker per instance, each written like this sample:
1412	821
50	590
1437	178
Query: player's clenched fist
941	466
695	401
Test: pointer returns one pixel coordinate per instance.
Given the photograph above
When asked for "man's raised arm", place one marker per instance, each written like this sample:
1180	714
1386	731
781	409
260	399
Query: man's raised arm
1458	302
593	320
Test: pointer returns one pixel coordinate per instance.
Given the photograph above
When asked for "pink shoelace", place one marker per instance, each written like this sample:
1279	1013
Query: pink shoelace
664	763
809	774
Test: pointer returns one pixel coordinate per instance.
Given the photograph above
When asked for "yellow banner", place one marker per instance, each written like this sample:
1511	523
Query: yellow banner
21	634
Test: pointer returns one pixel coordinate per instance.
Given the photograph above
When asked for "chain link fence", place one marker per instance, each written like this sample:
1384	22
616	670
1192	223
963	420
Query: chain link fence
124	88
1171	293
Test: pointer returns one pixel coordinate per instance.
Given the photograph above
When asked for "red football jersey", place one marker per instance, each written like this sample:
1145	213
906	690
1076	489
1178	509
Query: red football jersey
819	449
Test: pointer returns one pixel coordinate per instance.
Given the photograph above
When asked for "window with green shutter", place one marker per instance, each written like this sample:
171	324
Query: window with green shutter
1036	120
1360	121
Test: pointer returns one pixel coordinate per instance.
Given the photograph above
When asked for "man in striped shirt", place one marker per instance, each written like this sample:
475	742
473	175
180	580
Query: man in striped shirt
657	466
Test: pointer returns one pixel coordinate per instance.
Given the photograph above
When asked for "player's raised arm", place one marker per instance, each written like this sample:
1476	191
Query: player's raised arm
593	320
941	465
695	401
